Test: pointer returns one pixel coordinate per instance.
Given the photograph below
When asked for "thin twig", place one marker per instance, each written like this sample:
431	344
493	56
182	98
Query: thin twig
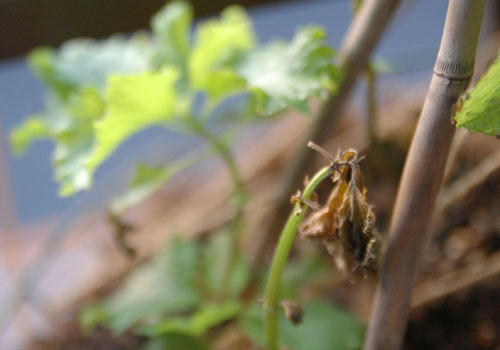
371	97
455	281
466	183
456	145
423	174
239	195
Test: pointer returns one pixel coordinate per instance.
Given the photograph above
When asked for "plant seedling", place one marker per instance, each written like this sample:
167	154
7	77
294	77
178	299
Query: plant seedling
346	225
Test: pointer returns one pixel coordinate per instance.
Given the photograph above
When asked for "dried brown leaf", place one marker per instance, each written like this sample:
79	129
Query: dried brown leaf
346	224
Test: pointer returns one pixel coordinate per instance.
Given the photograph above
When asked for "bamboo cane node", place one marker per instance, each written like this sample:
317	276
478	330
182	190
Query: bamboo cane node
454	71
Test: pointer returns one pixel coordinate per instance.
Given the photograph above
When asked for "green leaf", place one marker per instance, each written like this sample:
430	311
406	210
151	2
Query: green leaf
73	138
216	256
133	103
147	179
87	62
196	324
171	27
43	61
284	75
30	130
75	76
73	148
166	285
480	111
91	316
71	129
307	271
175	342
324	327
85	103
219	46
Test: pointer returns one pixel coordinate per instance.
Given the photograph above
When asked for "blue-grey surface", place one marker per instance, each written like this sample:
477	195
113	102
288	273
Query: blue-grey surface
411	42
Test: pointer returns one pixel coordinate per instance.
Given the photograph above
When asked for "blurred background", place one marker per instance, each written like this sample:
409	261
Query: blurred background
30	209
28	192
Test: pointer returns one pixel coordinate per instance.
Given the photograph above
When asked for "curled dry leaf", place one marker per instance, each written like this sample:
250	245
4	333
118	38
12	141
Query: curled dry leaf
346	224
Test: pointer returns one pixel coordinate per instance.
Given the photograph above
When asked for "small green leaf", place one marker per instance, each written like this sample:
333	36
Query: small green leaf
324	327
23	135
73	138
284	75
480	111
171	26
218	47
85	103
87	62
147	179
175	342
75	76
196	324
166	285
133	103
72	150
307	271
91	316
216	258
43	61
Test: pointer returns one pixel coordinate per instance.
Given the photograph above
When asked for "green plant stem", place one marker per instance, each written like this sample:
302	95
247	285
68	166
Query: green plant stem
239	195
280	257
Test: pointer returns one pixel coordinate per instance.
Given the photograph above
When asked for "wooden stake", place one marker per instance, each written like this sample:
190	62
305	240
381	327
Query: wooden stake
423	175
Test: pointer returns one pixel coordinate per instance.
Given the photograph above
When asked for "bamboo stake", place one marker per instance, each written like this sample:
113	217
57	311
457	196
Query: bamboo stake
423	175
361	38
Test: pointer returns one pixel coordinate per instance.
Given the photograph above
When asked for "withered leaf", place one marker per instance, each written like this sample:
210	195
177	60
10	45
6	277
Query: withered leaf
293	312
346	224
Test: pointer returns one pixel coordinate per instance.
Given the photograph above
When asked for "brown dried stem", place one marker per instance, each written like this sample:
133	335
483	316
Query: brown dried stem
423	175
362	36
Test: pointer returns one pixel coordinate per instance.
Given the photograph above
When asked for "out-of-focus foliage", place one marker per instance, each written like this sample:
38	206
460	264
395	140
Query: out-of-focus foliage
284	74
174	341
147	179
179	296
324	327
165	285
479	111
133	103
216	256
173	293
219	47
196	324
101	93
76	78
